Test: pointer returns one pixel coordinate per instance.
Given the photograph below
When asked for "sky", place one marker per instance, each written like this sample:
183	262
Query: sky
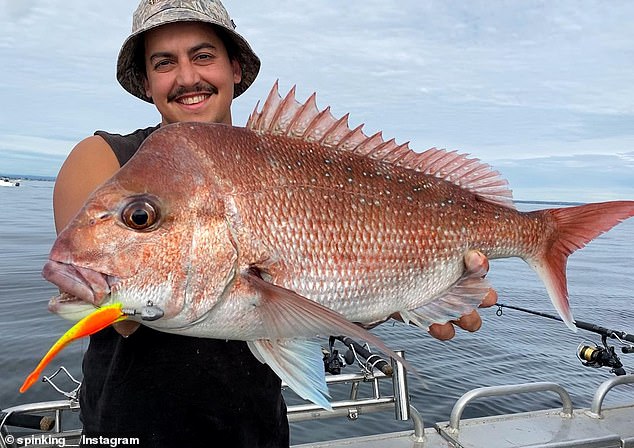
540	90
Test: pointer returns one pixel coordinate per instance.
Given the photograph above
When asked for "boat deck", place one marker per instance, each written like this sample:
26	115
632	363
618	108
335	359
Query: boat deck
537	429
563	427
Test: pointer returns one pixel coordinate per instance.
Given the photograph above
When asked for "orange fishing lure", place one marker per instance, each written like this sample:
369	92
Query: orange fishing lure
90	324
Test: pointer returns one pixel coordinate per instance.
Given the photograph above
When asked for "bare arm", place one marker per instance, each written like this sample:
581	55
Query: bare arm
88	165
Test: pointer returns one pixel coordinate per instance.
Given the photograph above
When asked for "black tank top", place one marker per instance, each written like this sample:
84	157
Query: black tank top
172	390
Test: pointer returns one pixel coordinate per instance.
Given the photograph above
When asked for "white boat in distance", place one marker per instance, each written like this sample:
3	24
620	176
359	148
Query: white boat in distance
6	182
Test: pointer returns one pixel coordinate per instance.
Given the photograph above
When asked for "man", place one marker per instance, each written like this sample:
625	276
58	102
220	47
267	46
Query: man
169	390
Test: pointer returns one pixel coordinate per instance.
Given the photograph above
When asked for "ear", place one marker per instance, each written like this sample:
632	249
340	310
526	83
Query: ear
146	86
237	71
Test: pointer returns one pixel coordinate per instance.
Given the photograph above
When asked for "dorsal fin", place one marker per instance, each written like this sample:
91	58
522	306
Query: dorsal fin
286	116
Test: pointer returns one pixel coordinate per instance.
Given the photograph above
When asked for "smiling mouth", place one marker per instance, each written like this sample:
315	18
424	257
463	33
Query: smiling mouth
193	94
193	99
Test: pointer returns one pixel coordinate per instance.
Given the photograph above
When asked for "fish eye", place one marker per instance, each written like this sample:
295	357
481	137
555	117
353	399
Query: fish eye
141	214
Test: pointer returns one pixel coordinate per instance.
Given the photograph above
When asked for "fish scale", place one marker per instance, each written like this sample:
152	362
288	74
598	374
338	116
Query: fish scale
362	227
360	254
297	226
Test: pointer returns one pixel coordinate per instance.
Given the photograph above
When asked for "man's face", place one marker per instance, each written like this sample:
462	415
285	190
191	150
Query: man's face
189	74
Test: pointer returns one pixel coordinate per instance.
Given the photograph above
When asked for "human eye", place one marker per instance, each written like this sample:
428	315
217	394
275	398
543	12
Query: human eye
161	65
204	58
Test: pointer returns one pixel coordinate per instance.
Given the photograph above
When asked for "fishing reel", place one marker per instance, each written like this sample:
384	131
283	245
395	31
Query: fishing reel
592	355
334	361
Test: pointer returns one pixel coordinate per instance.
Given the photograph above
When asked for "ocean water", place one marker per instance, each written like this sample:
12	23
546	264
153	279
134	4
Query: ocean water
513	348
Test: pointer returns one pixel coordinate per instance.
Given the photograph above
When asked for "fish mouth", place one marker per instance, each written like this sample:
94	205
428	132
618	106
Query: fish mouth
84	290
79	282
70	307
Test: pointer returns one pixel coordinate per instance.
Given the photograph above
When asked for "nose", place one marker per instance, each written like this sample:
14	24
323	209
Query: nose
187	74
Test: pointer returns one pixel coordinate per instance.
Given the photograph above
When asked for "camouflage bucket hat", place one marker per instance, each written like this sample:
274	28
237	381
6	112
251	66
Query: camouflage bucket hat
153	13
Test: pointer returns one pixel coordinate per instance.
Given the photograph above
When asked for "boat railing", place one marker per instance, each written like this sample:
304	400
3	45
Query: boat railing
494	391
597	401
46	417
49	416
354	406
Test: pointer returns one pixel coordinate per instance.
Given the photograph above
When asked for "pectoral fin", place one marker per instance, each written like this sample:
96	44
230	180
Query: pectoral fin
298	362
289	320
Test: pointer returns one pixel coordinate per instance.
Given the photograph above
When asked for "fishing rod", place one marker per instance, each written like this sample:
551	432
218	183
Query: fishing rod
590	355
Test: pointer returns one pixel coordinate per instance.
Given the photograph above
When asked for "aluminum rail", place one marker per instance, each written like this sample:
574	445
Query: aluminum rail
355	406
494	391
57	406
351	407
602	391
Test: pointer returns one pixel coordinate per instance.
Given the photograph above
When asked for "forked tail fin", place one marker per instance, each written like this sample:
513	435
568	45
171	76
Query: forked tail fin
574	228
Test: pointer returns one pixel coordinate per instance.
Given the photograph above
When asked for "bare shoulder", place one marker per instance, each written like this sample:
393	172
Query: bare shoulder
88	165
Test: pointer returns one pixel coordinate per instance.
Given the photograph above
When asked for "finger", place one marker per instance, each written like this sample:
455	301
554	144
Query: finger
442	332
126	328
470	322
490	299
476	263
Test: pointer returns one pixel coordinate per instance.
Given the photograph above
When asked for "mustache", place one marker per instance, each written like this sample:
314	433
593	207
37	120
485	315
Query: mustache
201	87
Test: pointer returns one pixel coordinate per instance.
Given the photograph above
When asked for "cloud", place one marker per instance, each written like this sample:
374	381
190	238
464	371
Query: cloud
584	178
516	81
628	159
30	145
30	155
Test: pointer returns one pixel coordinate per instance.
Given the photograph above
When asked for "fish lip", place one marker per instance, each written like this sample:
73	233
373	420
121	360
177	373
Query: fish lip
79	282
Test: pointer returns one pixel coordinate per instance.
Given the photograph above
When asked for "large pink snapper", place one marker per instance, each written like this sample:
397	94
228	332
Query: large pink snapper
296	226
